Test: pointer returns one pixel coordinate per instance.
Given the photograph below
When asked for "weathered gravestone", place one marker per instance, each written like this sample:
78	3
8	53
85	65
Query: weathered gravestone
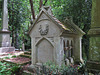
5	45
94	33
53	41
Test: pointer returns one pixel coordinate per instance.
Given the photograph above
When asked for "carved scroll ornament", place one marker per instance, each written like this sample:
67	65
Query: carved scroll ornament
44	32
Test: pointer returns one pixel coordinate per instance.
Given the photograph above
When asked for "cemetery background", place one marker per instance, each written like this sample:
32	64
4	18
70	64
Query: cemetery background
83	9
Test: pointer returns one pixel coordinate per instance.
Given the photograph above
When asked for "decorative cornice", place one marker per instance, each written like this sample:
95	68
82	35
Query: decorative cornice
94	31
1	32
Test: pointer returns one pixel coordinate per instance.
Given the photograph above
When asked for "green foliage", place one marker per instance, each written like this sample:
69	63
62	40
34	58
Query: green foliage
63	69
20	15
15	69
5	69
19	18
8	69
80	11
7	57
0	13
10	56
14	56
50	68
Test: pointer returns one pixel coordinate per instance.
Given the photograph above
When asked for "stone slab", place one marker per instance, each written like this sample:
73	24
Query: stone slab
93	66
6	49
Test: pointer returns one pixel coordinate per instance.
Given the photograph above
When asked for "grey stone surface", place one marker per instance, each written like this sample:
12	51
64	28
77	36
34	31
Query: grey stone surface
67	61
49	38
6	49
5	39
5	44
5	34
5	16
44	51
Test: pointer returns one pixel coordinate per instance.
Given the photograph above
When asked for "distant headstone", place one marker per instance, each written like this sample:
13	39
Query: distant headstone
94	33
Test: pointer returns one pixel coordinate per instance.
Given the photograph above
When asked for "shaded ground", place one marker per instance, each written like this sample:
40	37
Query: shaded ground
15	57
19	60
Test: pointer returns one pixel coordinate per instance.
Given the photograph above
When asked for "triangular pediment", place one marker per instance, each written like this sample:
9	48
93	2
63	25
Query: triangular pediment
43	15
68	28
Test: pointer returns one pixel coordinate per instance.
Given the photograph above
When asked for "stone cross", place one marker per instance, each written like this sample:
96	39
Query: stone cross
5	16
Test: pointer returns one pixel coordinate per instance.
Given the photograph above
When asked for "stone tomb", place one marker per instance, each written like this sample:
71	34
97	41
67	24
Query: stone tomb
53	41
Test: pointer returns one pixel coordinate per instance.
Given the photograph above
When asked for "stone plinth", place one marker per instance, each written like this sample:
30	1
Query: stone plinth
5	44
94	48
6	49
5	39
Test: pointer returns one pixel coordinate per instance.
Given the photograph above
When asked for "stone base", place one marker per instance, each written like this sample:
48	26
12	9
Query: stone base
5	39
94	48
30	68
7	49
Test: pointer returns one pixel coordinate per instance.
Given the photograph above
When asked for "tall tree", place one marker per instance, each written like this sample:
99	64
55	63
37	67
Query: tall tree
18	14
80	10
41	4
32	9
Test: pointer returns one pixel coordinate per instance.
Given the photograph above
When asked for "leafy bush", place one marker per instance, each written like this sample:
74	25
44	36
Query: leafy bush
8	69
5	69
49	68
10	56
15	69
14	56
63	69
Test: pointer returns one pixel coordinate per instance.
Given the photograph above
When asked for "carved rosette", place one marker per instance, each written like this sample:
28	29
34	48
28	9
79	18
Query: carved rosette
44	32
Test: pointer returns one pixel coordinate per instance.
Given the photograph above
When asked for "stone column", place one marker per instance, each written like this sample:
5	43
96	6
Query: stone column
94	32
33	55
4	33
58	54
78	48
5	16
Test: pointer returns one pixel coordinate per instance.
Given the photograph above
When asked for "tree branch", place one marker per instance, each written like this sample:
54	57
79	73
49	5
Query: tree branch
41	4
32	9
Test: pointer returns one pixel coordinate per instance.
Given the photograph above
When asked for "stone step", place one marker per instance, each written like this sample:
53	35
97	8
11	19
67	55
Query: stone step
18	60
25	55
27	52
25	72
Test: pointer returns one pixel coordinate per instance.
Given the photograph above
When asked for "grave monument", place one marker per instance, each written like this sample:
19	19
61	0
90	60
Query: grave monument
94	33
53	41
5	45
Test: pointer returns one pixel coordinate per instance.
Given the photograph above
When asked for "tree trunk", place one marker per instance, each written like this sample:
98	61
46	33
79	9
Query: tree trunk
16	39
12	36
41	4
32	9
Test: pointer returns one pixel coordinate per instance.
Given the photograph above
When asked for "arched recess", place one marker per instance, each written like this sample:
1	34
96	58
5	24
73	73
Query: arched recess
44	51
